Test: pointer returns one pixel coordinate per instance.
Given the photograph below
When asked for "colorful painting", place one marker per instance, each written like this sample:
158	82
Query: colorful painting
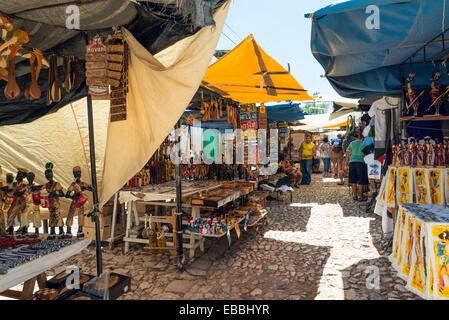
440	245
396	237
403	227
422	186
408	244
446	183
381	194
404	186
418	276
436	186
391	187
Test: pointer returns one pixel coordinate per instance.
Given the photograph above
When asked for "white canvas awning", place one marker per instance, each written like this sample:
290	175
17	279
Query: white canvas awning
160	88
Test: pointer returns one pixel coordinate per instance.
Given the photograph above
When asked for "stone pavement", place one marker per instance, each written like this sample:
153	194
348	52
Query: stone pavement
322	246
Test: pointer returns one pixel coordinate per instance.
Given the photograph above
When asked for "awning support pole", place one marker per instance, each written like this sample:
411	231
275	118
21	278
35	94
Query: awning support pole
93	171
179	206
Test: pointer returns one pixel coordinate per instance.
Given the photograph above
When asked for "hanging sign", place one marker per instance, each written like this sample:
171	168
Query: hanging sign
248	117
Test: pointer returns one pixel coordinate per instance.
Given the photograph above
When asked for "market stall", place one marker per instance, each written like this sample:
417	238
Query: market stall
404	65
420	249
105	59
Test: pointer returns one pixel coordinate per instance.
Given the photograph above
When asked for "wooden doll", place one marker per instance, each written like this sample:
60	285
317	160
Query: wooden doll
428	152
405	155
54	190
411	151
446	150
32	201
18	206
439	155
79	199
419	155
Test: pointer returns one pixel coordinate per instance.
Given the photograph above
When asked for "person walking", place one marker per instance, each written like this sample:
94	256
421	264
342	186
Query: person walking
337	156
325	149
358	170
306	153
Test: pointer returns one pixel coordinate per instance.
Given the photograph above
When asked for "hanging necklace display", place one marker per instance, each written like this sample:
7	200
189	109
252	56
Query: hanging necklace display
96	69
117	75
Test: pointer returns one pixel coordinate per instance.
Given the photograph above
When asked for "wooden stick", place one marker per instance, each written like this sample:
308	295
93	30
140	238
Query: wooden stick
8	43
438	99
416	99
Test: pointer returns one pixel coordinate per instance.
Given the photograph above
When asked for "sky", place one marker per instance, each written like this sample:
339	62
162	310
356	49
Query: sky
280	28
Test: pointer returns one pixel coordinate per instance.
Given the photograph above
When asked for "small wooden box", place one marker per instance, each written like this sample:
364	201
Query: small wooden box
120	287
105	226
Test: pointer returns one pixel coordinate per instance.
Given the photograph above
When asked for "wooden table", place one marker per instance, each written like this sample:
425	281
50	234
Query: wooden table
34	271
163	195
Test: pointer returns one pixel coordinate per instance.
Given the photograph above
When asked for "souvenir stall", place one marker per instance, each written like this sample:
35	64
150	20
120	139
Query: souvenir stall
101	62
217	198
404	64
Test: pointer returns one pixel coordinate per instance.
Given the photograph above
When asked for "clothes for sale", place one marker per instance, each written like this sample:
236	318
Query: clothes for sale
378	110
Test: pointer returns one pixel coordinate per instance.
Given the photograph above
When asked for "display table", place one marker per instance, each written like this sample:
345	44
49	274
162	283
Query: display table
422	185
34	270
164	195
421	249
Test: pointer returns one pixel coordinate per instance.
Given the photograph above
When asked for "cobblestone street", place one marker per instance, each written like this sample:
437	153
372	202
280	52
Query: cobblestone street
322	246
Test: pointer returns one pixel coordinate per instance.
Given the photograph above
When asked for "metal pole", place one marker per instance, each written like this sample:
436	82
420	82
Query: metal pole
179	207
93	171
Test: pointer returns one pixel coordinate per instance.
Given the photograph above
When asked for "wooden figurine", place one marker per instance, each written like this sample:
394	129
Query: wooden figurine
419	155
397	162
428	152
439	156
435	94
8	197
411	95
32	202
18	206
55	192
411	151
446	150
405	155
75	192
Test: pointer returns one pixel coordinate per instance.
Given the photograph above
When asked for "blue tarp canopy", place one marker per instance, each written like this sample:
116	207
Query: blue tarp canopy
284	112
362	61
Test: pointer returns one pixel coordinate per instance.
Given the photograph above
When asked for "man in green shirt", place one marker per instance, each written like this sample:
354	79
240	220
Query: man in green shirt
358	170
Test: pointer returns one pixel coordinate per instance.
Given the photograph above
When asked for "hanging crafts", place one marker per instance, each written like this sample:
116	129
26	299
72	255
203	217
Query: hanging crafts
54	89
117	75
96	69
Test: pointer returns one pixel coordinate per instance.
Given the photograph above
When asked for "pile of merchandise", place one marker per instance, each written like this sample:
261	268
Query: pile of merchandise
13	253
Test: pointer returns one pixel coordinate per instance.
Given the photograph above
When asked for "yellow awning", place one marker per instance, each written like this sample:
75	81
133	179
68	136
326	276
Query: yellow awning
248	75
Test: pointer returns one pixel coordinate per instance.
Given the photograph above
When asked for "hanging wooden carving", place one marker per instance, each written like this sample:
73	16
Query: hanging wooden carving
117	75
96	69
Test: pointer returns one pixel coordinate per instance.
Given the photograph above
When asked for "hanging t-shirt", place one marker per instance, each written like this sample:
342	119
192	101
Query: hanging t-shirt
377	111
357	154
